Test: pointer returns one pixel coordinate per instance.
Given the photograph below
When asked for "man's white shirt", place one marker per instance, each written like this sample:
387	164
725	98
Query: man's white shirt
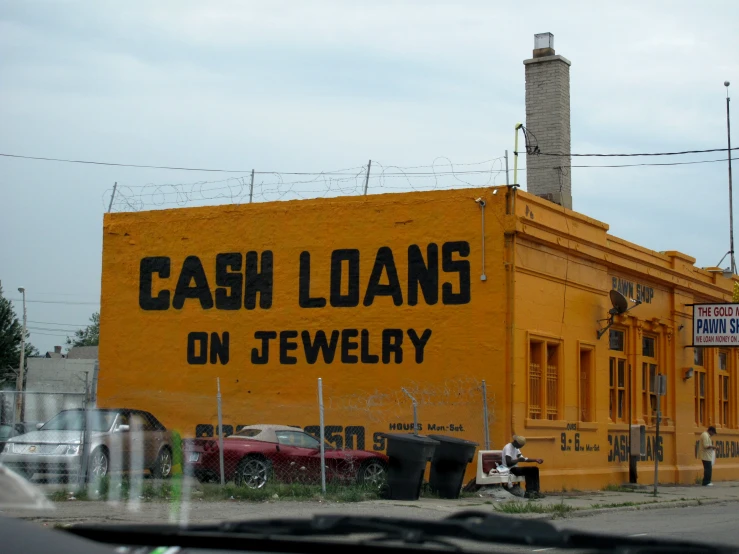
512	451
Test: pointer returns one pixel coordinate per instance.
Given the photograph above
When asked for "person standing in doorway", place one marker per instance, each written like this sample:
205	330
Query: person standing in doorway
706	451
512	457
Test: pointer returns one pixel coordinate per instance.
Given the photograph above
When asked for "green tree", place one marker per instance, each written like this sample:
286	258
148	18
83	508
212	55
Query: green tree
11	330
89	336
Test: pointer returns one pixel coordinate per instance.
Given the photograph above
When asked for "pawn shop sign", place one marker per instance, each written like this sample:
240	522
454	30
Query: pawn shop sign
716	325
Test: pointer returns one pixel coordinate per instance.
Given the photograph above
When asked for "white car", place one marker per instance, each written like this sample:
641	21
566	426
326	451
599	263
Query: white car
119	440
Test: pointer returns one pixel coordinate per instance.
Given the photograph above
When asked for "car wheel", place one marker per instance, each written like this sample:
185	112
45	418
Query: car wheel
253	472
163	466
372	473
97	465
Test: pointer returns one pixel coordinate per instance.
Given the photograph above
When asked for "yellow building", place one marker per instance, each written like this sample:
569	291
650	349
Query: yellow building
428	292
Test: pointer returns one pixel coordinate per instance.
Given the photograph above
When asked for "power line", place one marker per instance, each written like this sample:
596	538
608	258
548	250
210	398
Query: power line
41	158
60	324
632	155
625	165
49	334
50	329
337	172
174	168
54	302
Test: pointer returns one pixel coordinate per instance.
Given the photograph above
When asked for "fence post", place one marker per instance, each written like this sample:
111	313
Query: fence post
366	180
85	460
485	414
415	411
220	431
321	436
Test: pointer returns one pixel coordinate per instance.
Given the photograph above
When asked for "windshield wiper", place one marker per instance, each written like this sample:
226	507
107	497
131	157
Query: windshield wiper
282	535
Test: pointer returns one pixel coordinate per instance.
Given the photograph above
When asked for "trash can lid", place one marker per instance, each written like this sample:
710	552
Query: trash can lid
456	440
410	438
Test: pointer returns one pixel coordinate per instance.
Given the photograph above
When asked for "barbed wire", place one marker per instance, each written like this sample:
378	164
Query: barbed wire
442	173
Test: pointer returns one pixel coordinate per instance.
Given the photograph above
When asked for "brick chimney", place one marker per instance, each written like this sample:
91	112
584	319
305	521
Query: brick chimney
548	121
57	350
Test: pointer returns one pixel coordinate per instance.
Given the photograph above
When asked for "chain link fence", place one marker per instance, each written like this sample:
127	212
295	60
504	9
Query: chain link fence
43	432
274	447
235	439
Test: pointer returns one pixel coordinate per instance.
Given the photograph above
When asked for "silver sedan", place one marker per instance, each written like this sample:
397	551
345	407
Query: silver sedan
119	440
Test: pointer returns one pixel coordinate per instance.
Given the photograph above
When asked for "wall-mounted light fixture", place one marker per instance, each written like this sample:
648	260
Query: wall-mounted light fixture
688	373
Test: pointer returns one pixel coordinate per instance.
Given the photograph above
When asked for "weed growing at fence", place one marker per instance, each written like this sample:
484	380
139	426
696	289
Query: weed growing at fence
622	488
286	492
123	490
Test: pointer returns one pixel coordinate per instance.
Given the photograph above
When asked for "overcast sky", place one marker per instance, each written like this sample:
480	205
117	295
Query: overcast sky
312	86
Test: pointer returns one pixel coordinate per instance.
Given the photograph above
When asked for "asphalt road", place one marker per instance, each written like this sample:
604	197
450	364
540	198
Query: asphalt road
714	523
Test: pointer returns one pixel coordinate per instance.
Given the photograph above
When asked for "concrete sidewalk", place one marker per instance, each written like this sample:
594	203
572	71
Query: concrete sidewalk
575	503
566	504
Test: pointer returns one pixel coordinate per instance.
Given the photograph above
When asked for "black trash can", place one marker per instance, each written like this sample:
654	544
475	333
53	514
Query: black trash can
408	457
449	464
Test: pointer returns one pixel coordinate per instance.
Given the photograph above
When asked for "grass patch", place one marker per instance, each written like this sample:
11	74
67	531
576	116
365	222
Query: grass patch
289	491
124	490
517	508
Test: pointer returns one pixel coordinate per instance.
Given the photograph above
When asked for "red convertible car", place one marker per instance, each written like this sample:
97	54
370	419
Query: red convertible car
259	453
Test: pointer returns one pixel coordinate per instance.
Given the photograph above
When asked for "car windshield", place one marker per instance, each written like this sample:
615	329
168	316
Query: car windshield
293	255
75	421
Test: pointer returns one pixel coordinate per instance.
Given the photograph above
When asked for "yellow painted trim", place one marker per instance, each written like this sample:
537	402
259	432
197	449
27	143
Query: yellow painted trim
545	424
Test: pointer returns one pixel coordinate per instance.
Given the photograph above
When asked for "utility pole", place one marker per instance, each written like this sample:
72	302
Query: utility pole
731	204
251	187
19	385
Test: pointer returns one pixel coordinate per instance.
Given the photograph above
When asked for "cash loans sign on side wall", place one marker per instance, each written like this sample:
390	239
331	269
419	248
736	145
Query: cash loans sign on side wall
440	274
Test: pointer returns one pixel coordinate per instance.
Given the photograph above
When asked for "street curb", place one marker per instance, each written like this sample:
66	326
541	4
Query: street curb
644	506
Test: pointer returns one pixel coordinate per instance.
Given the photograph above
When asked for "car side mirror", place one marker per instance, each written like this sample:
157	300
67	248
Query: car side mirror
122	428
39	425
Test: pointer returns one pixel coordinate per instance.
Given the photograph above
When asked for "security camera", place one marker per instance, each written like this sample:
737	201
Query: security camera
481	202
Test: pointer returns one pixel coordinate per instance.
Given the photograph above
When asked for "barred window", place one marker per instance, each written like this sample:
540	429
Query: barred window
650	371
700	397
724	395
544	373
587	412
617	381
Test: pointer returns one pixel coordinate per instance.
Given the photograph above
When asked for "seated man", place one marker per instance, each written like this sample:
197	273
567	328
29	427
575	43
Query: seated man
512	457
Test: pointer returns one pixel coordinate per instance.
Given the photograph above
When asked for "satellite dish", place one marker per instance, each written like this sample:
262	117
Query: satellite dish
620	304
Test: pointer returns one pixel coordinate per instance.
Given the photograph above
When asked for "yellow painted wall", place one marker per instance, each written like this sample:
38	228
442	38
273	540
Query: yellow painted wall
566	265
143	355
548	274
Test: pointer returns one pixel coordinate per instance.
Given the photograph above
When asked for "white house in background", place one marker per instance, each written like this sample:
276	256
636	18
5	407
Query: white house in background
55	383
